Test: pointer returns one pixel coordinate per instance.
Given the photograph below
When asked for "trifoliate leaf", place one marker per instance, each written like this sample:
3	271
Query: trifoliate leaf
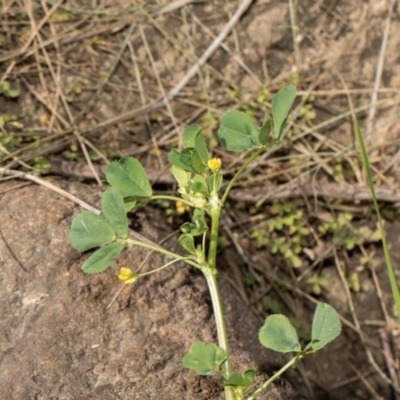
90	230
113	209
326	326
238	131
279	334
102	258
281	104
129	178
204	359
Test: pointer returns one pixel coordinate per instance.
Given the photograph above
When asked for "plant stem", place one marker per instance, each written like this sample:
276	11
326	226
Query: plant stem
212	251
164	266
276	375
162	251
170	198
239	172
211	276
221	327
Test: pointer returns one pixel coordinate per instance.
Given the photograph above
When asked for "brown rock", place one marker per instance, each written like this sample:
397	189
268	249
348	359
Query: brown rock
58	339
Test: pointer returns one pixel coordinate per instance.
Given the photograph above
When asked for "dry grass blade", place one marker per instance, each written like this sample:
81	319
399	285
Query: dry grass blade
70	197
211	49
23	49
374	394
227	49
174	6
357	324
391	365
157	76
379	70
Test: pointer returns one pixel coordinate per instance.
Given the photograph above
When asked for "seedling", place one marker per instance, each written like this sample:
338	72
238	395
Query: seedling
75	88
316	283
286	234
7	90
9	121
200	185
344	234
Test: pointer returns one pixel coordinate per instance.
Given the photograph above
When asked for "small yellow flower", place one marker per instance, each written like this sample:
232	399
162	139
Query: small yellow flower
214	164
181	207
127	275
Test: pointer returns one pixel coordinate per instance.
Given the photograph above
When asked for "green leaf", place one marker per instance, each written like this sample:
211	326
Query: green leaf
175	158
281	104
201	147
113	209
278	334
199	184
197	162
238	131
13	94
129	178
187	242
186	156
181	176
130	205
5	86
90	230
265	129
189	136
326	326
199	217
102	258
192	229
204	359
198	226
244	380
194	138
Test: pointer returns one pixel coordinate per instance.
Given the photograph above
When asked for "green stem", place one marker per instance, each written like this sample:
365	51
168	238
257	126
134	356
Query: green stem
239	172
164	266
211	276
162	251
170	198
212	251
276	375
221	327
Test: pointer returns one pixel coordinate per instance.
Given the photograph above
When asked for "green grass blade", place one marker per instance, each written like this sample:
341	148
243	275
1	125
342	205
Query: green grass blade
392	277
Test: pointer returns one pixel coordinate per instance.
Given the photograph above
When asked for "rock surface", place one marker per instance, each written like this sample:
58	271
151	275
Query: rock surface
58	338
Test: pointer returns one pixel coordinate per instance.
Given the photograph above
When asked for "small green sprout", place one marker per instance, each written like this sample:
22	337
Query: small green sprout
8	91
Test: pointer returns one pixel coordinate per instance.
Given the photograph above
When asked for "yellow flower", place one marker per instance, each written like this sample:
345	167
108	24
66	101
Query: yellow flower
181	207
214	164
127	275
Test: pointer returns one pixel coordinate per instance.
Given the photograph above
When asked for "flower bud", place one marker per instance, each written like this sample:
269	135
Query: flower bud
127	275
181	207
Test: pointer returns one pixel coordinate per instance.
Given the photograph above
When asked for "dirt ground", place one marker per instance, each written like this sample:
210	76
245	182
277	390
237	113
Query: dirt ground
85	82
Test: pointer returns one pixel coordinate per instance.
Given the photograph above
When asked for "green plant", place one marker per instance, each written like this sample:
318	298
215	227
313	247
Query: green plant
75	88
316	283
365	160
8	91
344	234
287	232
200	182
